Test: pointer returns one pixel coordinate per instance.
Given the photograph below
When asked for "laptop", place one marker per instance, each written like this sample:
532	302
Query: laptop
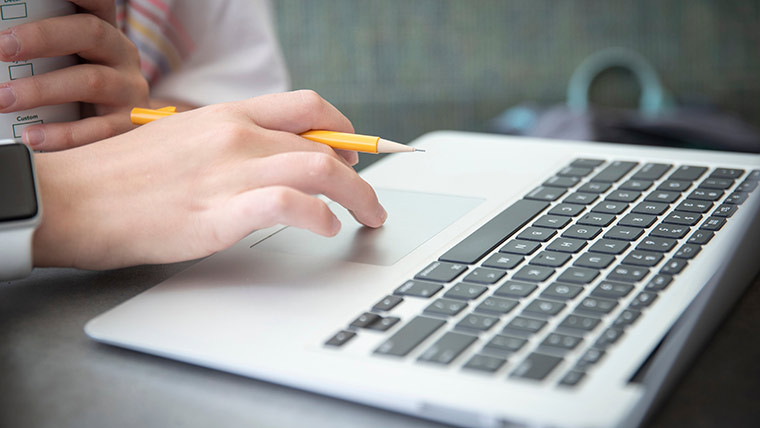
517	282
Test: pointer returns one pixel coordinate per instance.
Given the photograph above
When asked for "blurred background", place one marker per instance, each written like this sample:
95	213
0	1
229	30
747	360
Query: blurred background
400	68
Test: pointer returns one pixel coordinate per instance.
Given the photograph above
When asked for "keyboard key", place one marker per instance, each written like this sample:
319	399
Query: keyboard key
675	231
637	185
542	193
496	305
747	186
652	243
597	305
729	173
609	246
725	211
552	222
702	194
592	187
713	223
594	261
687	173
687	251
637	220
642	258
441	272
626	318
589	358
659	282
564	182
566	245
652	208
608	337
570	210
609	207
550	259
624	233
558	291
505	343
538	234
578	275
517	246
694	206
384	324
626	196
628	273
485	363
536	366
447	348
651	171
388	303
579	322
586	163
662	196
716	183
642	300
562	341
494	232
674	266
409	336
515	289
736	198
582	232
596	219
674	186
700	237
533	273
572	378
581	198
340	338
464	291
544	308
484	276
683	218
525	325
365	320
572	171
612	290
503	261
478	322
614	172
446	307
418	289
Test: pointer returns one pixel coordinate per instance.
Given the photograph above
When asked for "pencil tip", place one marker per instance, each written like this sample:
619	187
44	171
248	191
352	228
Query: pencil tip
418	150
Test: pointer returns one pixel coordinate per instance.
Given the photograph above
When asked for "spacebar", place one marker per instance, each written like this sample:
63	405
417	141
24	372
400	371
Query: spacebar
493	233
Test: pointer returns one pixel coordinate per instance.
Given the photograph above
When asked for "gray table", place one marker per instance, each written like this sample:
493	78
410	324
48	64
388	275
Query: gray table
51	374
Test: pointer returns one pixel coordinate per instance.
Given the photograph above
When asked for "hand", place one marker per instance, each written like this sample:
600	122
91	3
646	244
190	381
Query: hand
194	183
110	78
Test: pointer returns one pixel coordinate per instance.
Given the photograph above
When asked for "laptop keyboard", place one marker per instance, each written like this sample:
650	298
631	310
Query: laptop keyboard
551	277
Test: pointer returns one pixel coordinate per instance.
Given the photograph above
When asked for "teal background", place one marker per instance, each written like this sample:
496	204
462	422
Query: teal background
400	68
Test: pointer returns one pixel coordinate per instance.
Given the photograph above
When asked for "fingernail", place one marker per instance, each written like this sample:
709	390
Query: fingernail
382	215
335	226
34	137
9	45
7	97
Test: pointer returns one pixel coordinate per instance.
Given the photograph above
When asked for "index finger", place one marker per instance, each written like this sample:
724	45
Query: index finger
295	112
103	9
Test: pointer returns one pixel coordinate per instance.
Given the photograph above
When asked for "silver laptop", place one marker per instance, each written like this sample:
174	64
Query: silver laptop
517	282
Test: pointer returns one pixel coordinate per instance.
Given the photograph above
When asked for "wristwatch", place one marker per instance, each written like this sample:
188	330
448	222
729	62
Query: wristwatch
20	209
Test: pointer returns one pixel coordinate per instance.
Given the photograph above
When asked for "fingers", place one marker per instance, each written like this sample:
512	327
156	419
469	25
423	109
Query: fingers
89	83
269	206
83	34
316	173
295	112
60	136
103	9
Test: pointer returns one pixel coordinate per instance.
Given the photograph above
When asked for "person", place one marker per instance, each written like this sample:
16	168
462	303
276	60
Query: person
194	183
151	53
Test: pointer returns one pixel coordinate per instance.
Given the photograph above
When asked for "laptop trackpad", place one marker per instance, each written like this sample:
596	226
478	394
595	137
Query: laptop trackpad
413	218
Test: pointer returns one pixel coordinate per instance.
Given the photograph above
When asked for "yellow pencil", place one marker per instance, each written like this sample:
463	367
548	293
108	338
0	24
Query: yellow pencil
336	140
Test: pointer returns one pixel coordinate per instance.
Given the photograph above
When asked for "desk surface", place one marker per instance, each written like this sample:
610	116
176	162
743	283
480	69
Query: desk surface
51	374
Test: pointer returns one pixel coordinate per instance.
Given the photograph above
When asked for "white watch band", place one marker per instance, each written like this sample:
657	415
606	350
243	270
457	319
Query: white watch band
16	253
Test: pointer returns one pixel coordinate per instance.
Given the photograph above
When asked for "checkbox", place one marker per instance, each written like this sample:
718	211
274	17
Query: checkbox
13	11
18	129
20	70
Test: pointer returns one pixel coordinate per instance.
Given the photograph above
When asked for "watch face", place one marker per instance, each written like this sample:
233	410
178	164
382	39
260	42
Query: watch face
18	199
